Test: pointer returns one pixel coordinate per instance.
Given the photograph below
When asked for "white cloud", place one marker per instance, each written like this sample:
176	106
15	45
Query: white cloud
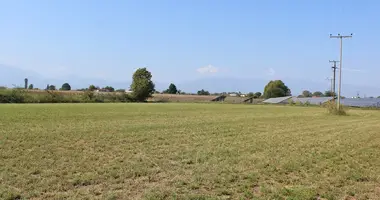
271	72
207	70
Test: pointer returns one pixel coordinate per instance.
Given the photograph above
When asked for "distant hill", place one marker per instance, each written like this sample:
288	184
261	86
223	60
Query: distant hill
10	76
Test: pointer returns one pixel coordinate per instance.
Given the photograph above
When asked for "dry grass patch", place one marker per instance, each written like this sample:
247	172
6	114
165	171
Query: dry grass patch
187	151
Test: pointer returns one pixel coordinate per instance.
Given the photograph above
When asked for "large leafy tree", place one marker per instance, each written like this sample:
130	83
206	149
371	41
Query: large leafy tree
254	95
66	86
257	94
109	88
328	93
203	92
31	87
92	88
172	89
306	93
318	94
142	85
51	87
251	94
276	88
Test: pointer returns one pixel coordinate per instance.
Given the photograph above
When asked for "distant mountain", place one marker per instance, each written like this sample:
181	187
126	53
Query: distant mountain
246	85
257	85
10	76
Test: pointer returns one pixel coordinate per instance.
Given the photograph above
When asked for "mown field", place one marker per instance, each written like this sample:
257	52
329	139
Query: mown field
187	151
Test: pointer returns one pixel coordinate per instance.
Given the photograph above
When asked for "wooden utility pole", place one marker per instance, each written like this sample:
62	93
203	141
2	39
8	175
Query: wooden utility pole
334	76
340	63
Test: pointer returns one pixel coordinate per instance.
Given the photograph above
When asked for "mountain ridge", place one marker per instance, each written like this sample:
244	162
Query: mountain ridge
12	76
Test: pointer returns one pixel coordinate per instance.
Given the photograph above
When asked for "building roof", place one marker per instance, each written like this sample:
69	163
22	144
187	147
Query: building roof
277	100
361	102
312	100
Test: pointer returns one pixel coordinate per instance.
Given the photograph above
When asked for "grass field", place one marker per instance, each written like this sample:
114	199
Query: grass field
187	151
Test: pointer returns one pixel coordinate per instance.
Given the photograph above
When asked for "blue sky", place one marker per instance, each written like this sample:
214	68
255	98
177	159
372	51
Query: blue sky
182	41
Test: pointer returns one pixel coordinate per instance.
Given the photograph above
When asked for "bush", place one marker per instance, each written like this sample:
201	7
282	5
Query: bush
12	96
88	96
299	103
332	108
291	102
48	96
124	98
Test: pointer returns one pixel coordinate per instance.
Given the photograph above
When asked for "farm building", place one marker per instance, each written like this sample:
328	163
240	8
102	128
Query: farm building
312	100
351	102
278	100
229	99
181	98
302	100
361	102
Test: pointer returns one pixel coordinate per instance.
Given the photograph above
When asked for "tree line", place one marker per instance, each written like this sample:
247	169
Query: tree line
142	88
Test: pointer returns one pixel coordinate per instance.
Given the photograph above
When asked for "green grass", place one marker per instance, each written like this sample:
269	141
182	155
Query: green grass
187	151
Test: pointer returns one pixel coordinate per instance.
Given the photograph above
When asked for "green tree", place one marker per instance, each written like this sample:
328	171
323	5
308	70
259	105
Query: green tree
203	92
172	89
277	92
251	94
120	90
254	95
318	94
51	87
31	87
142	86
66	86
306	93
92	88
328	93
109	88
276	88
258	94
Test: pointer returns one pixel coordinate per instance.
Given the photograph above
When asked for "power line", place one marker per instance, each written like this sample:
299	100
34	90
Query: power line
340	62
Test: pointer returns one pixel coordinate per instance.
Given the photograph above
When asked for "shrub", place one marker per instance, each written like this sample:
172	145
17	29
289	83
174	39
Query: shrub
299	103
124	98
88	96
332	108
49	96
12	96
291	102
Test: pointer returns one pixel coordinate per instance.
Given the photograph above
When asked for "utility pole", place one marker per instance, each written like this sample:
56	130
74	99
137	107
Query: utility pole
340	63
334	76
